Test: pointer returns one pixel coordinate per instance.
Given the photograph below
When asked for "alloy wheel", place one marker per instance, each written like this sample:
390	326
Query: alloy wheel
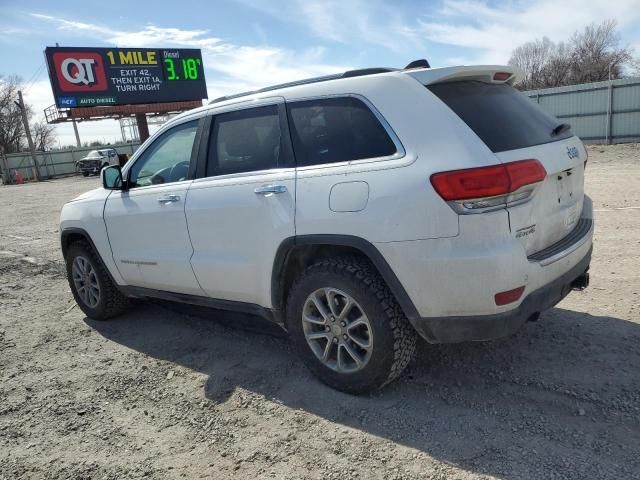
337	330
86	281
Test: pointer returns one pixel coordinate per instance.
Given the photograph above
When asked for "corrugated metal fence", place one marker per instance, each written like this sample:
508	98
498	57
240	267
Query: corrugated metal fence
55	163
600	112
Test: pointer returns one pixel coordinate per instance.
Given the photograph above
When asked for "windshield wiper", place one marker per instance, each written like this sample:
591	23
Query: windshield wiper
563	127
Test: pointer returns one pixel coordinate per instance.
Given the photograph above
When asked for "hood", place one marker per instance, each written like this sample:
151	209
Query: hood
95	194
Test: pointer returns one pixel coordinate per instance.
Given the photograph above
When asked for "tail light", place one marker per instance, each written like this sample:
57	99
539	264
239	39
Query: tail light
476	190
501	76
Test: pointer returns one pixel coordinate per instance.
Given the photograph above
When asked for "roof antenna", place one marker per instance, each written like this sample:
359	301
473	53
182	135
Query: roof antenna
421	63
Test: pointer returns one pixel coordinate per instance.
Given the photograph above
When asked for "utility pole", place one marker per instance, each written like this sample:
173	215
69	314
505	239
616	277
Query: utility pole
27	131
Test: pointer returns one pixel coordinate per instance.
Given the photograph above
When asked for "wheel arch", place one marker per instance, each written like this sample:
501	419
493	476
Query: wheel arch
74	234
296	253
71	235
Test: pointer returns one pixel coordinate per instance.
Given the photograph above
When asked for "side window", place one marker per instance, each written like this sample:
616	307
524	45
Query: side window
245	141
167	159
336	130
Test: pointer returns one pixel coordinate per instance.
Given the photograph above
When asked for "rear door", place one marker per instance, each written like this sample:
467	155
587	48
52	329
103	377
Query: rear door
243	207
515	128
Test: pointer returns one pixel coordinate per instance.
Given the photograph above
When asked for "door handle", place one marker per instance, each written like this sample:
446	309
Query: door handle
267	189
171	198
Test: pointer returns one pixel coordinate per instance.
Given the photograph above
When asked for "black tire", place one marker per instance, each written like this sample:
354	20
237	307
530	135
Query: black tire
394	338
85	173
111	302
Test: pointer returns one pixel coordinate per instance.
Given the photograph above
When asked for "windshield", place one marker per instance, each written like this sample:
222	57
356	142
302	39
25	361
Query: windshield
502	117
94	154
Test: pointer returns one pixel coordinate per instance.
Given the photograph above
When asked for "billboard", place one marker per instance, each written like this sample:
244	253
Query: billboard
93	77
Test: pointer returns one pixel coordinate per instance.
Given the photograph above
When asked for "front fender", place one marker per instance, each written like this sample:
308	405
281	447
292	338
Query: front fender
84	218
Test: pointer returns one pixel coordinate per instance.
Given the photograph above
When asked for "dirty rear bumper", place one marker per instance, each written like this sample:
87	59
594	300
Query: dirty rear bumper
488	327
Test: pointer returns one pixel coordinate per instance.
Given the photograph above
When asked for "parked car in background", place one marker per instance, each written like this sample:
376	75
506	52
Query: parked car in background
96	160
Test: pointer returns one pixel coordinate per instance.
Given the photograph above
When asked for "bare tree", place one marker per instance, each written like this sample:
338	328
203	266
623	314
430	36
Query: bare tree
634	67
43	135
590	55
557	70
596	53
532	57
11	127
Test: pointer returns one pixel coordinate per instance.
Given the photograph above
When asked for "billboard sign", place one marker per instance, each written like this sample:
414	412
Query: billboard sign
93	77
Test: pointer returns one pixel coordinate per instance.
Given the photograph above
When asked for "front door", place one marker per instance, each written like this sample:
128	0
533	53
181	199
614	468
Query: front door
146	224
244	207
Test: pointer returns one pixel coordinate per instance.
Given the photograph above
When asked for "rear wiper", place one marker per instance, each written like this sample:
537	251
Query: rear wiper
563	127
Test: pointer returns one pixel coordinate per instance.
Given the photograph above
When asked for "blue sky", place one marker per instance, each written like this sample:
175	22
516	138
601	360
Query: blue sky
250	43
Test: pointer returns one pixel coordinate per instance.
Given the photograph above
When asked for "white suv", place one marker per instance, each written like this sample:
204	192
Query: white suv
358	211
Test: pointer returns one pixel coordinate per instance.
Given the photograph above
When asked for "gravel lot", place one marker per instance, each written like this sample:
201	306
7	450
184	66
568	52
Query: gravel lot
166	392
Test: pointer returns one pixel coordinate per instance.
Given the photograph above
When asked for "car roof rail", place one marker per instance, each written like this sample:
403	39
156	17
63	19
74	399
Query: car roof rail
349	74
278	87
367	71
422	63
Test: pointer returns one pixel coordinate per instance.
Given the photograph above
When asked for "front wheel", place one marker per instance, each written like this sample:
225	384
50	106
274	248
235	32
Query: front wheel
347	326
85	173
92	287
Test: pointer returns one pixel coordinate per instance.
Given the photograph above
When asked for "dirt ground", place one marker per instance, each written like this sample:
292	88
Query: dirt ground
177	393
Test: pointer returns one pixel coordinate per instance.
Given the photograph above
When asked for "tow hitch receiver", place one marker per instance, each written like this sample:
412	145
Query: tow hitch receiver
581	282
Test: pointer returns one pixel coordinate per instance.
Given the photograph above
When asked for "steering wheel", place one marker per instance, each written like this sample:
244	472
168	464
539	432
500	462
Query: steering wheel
176	169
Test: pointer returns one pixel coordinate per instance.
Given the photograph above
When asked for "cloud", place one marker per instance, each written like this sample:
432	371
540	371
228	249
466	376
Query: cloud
480	31
371	22
490	32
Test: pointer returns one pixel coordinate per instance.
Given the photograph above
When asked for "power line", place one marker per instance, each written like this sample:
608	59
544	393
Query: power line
36	71
35	77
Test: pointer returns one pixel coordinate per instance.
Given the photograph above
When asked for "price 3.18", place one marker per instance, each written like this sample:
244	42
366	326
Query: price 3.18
188	67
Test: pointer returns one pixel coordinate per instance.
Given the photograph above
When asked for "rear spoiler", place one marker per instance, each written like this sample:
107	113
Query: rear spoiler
484	73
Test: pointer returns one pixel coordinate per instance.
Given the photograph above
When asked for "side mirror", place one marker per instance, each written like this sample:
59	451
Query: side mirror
112	177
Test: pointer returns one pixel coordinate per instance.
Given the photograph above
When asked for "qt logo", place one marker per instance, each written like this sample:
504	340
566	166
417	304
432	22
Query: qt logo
80	71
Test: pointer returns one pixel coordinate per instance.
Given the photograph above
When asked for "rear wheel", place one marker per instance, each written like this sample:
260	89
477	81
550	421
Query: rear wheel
92	287
347	326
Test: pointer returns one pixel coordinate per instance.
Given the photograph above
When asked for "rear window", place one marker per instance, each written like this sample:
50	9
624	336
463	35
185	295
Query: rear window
502	117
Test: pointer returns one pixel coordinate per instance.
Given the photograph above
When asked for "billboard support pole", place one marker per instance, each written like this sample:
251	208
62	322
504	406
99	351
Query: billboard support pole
143	126
75	130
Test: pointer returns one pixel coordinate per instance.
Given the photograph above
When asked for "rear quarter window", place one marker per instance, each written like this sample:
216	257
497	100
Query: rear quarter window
502	117
333	130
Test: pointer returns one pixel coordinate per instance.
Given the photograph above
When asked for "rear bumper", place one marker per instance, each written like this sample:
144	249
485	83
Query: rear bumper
453	281
488	327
